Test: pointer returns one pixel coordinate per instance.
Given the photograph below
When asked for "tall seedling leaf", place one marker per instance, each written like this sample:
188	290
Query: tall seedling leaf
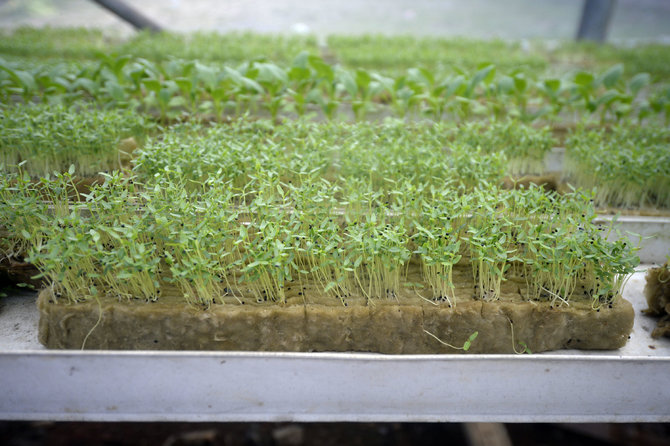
485	74
612	76
638	82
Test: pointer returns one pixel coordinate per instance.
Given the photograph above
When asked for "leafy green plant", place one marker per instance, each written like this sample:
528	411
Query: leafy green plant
202	241
274	81
46	42
239	150
640	58
232	48
273	211
179	88
627	166
525	146
395	54
660	104
21	214
438	241
48	138
20	82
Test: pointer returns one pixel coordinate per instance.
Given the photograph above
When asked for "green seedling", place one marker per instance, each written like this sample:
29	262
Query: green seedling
466	344
52	138
627	166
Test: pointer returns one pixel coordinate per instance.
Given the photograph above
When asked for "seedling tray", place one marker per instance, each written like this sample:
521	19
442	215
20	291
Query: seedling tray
568	386
652	233
77	322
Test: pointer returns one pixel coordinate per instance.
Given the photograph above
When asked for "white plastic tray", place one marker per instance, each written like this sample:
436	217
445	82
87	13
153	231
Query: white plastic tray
627	385
651	234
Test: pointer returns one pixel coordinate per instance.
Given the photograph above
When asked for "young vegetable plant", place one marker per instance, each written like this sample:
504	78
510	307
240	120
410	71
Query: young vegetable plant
274	81
524	146
325	95
438	241
379	252
53	137
267	206
487	240
627	166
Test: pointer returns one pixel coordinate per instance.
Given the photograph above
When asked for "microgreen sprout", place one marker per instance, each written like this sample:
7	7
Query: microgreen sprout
213	240
51	138
628	166
466	345
524	146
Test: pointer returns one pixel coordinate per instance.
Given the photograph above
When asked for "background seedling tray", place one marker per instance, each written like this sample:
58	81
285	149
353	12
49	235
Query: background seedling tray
568	386
654	230
655	233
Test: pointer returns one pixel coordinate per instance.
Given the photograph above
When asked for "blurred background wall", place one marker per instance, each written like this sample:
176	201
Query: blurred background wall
633	20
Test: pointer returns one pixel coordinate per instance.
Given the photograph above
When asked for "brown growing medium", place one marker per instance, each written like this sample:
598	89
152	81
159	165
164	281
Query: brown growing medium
308	321
15	271
657	292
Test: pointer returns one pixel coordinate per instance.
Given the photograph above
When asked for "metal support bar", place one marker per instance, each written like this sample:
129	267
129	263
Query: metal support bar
595	20
129	14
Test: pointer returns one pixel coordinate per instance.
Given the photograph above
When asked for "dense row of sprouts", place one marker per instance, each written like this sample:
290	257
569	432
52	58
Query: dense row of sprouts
217	240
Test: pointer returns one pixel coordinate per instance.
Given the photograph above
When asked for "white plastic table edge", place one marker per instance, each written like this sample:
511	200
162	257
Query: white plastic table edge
257	386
